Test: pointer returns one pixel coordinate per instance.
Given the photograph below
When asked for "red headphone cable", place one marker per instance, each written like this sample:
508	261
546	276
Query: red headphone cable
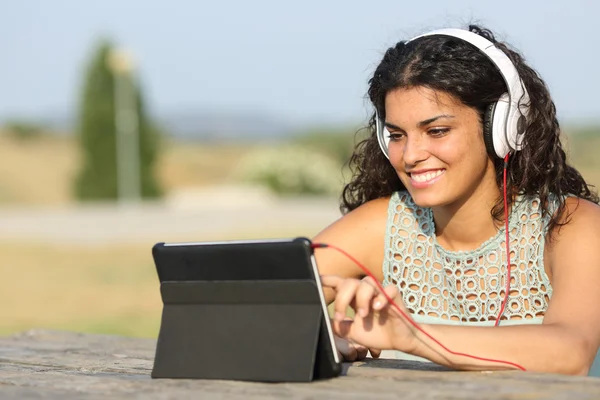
506	233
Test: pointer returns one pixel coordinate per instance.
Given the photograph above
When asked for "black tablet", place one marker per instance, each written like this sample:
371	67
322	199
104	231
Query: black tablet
244	310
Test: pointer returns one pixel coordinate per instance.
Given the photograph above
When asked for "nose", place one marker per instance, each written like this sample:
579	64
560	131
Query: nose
415	150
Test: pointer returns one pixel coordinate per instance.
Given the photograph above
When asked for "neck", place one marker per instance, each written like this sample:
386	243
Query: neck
467	223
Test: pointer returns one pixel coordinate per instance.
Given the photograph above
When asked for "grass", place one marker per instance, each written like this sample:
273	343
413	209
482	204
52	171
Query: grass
37	171
110	289
40	171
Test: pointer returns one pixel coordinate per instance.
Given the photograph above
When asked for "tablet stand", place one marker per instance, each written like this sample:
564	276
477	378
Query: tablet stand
239	330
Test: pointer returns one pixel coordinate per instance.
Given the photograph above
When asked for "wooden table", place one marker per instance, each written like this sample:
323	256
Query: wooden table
63	365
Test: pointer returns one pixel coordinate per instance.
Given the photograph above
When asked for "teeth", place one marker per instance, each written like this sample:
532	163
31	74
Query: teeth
427	176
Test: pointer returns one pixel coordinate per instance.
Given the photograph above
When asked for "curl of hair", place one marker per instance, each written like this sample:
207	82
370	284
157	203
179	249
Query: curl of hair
453	66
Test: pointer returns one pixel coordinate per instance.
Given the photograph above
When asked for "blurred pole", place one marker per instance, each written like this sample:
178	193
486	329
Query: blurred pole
127	128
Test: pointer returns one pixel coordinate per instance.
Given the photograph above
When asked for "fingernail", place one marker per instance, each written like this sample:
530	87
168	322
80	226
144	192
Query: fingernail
338	316
362	312
377	304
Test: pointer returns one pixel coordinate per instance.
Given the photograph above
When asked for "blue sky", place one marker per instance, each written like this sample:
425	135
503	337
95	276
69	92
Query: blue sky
301	61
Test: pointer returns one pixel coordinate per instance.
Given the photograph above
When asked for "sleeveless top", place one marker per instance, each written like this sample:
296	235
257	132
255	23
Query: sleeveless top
440	286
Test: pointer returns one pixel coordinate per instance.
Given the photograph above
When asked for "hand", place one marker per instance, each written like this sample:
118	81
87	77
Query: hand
377	324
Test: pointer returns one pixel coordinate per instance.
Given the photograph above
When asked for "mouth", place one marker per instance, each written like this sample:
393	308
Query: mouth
425	178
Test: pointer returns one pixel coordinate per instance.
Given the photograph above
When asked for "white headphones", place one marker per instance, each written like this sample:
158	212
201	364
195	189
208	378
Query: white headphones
500	130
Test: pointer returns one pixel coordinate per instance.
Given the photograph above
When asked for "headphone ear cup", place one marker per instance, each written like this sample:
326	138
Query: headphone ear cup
382	135
488	129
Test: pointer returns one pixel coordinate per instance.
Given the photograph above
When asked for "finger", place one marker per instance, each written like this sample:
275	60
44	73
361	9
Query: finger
345	349
375	353
342	328
361	351
346	291
364	296
370	281
380	301
331	281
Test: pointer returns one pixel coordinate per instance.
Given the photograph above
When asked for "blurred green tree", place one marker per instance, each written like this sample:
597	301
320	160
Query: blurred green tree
97	133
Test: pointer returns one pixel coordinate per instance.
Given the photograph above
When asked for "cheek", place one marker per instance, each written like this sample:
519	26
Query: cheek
395	153
459	152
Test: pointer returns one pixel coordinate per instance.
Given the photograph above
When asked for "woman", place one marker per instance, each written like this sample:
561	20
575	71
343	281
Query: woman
427	217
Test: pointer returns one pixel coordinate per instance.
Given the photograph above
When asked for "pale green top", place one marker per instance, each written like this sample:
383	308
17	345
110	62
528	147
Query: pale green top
440	286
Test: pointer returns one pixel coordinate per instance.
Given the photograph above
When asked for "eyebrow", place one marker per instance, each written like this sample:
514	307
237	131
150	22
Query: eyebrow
422	123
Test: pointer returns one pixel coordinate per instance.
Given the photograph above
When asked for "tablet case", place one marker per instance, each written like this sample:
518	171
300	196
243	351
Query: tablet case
251	330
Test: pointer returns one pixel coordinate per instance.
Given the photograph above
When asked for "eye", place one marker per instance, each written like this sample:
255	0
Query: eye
438	132
395	136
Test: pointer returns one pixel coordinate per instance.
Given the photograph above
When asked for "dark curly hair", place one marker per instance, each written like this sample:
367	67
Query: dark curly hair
456	67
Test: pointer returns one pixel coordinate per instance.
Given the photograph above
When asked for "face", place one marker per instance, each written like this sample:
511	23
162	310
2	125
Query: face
437	148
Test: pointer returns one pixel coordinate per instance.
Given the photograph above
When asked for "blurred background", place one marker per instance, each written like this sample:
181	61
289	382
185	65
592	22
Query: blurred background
126	123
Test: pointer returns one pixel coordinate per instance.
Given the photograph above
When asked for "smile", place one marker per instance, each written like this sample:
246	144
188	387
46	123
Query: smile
426	178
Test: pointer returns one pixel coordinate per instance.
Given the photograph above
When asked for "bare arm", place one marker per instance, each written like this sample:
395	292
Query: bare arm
361	232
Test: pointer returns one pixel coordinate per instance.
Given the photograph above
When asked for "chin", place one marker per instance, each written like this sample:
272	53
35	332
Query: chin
427	198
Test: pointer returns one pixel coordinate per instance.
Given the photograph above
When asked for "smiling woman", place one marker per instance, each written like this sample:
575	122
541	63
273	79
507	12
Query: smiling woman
463	206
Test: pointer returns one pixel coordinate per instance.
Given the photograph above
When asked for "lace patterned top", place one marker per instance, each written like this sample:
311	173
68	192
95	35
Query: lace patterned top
467	286
440	286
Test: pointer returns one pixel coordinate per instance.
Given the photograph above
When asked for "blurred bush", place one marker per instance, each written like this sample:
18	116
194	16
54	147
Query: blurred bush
291	169
23	130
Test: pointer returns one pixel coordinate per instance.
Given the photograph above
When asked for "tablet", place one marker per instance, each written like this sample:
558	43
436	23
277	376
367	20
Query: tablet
269	286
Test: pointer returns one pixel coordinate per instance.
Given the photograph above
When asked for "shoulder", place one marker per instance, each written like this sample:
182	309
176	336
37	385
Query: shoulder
381	207
373	212
577	238
580	218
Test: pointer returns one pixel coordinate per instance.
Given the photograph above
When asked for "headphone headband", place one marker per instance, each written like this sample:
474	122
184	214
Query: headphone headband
508	109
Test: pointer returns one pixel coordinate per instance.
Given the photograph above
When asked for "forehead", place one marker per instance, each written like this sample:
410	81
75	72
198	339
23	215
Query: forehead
406	104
